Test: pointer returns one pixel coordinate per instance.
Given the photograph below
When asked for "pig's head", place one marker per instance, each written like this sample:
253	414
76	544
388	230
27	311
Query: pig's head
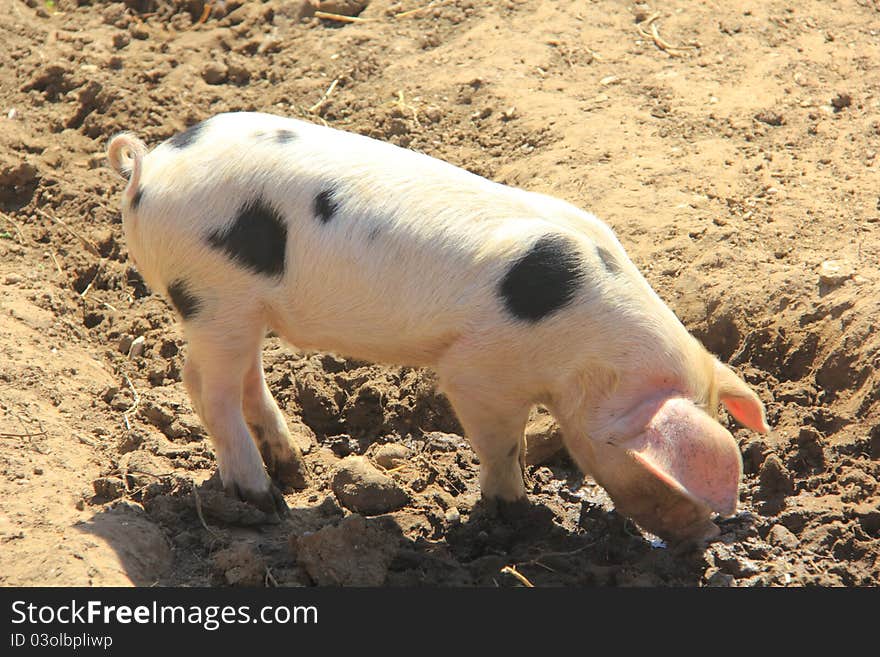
668	464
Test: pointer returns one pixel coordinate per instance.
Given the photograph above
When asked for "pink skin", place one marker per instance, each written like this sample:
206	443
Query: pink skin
669	466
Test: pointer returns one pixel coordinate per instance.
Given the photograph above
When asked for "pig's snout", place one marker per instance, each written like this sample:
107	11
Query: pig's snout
674	473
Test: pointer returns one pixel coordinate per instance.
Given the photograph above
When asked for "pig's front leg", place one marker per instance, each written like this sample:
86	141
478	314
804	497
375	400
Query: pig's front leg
282	457
494	425
214	376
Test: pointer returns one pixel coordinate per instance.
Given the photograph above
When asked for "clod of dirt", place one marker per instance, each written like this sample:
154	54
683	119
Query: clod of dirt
392	455
781	536
770	117
774	478
730	562
216	505
341	7
543	438
356	552
241	564
143	468
841	101
109	488
215	73
833	273
720	580
361	487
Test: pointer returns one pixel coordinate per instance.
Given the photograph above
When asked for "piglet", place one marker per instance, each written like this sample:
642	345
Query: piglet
337	242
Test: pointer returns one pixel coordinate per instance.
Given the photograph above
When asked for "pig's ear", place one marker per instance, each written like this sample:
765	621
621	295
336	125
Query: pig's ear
739	400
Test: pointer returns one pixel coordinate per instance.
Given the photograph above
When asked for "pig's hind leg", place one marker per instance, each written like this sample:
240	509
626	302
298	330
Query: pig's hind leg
219	358
282	457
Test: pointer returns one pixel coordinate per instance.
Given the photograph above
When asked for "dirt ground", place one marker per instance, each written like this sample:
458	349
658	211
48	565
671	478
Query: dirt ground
734	151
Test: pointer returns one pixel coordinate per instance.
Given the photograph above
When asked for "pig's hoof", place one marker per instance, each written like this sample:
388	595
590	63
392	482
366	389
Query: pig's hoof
287	468
509	511
270	501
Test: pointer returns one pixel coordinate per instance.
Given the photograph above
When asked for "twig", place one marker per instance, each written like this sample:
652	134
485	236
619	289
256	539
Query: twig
536	562
91	246
22	435
511	570
340	18
659	41
403	105
314	108
55	260
15	226
82	295
134	405
202	515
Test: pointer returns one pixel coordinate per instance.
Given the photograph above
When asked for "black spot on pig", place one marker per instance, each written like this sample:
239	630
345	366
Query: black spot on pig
325	205
186	303
542	281
612	265
284	136
257	238
137	198
188	137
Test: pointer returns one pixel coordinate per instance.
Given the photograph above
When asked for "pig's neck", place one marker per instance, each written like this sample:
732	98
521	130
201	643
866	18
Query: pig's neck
609	403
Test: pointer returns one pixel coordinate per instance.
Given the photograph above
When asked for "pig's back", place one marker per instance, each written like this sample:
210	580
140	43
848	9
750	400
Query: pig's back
389	254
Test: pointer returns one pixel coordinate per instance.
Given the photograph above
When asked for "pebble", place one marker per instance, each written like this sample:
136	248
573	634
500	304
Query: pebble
12	279
841	100
362	488
342	7
834	272
392	455
215	73
136	349
781	536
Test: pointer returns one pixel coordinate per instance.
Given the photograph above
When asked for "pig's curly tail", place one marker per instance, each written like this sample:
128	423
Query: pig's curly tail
125	152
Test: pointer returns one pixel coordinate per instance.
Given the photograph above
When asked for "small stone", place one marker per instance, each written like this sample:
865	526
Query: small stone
215	73
453	517
841	101
392	455
770	118
781	536
362	488
120	40
833	273
342	7
136	349
433	114
12	279
38	471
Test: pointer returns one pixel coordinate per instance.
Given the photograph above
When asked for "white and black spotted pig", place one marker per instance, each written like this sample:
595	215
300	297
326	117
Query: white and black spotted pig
342	243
